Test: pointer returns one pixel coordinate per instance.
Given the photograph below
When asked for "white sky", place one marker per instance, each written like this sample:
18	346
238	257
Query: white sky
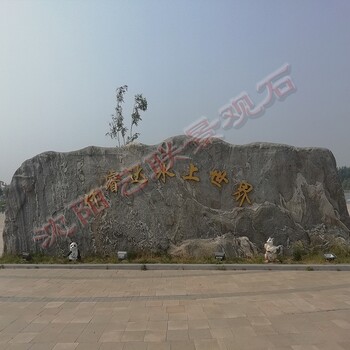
61	61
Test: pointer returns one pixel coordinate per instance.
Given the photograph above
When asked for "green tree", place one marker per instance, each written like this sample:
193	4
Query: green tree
2	197
117	128
2	187
344	175
346	184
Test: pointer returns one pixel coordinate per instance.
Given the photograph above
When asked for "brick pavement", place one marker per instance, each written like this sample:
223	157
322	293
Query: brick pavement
155	310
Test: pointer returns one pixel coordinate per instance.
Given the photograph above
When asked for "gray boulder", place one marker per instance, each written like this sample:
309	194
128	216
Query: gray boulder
231	246
110	199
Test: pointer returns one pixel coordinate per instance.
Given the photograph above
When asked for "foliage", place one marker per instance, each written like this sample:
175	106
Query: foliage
2	205
346	184
344	175
315	254
2	196
35	259
298	251
298	254
117	128
301	256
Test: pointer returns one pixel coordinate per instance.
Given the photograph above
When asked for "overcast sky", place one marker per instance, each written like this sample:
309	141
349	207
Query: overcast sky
61	61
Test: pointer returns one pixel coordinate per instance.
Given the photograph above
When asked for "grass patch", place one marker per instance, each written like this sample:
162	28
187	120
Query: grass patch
35	259
149	258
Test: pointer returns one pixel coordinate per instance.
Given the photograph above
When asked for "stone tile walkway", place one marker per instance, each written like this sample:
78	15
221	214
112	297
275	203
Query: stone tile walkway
174	310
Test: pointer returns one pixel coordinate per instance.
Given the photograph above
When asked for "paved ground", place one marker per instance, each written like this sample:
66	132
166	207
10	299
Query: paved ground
170	310
174	310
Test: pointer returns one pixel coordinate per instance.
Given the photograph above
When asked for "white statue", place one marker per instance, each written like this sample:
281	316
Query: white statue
74	253
271	251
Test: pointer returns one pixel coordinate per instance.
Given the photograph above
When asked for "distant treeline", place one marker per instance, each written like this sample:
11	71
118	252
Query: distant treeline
344	174
2	197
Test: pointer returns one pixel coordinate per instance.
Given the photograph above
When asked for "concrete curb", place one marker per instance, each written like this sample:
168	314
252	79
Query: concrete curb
211	267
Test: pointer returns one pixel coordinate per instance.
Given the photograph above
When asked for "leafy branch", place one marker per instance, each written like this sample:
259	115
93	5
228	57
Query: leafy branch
2	196
117	128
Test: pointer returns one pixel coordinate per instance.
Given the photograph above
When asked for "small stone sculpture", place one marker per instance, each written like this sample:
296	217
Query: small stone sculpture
74	253
272	251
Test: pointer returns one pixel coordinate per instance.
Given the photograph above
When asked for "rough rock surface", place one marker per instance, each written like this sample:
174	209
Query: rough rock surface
232	246
294	191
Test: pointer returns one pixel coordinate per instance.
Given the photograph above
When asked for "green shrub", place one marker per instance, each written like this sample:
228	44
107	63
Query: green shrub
2	205
298	251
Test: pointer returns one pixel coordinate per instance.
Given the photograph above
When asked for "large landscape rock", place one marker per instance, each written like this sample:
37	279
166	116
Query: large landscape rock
109	199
